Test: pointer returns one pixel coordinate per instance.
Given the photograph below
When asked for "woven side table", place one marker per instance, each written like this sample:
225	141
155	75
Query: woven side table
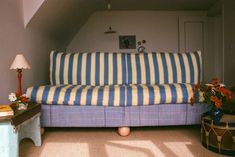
219	137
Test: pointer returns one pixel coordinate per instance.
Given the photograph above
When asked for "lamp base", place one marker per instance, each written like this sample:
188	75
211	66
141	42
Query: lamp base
19	92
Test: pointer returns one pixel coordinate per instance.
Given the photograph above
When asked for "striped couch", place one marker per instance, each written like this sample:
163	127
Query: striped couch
102	89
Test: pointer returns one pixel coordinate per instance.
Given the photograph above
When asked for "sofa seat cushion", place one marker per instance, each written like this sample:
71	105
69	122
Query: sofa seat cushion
78	95
177	93
111	95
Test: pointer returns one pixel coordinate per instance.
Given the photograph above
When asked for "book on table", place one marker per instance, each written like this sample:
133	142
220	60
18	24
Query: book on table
6	110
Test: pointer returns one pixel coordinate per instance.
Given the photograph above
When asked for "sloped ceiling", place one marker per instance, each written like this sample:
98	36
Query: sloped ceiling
30	7
62	19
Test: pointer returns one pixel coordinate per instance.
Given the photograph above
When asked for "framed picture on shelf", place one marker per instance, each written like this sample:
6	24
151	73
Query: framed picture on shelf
127	42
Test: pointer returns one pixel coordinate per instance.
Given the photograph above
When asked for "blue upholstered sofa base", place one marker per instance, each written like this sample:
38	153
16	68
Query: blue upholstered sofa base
99	116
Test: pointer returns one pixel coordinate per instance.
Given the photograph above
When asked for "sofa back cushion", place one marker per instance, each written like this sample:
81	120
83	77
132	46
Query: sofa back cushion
88	68
111	68
163	67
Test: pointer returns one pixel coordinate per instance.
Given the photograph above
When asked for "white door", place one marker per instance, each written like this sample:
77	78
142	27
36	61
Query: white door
192	36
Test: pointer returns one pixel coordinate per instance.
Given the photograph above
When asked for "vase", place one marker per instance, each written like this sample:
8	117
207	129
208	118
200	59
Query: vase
216	114
22	106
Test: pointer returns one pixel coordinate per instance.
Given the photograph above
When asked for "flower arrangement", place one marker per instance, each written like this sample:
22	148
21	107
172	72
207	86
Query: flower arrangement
21	101
215	94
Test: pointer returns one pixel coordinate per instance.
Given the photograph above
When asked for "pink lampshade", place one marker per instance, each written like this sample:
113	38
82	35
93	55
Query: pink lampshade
20	63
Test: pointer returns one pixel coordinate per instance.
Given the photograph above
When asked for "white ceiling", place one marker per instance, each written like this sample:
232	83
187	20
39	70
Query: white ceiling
61	19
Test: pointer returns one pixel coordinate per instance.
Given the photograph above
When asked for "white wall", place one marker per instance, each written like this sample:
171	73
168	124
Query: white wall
158	28
15	39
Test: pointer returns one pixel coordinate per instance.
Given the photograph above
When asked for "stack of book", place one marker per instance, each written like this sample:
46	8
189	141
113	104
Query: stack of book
6	110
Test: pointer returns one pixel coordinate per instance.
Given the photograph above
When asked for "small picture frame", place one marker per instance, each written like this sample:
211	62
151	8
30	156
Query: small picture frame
127	42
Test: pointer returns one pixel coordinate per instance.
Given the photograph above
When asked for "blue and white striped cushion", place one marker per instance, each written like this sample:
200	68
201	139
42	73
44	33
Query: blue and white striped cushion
78	95
163	68
104	68
138	95
97	68
111	95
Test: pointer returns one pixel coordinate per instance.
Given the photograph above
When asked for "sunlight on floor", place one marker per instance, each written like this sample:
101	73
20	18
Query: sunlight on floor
71	149
179	148
117	148
132	148
114	151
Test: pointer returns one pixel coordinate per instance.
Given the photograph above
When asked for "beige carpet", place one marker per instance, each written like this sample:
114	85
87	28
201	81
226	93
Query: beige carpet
183	141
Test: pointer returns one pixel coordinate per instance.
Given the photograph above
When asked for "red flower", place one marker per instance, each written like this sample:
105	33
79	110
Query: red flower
219	89
24	99
208	87
192	100
217	101
197	86
215	82
227	93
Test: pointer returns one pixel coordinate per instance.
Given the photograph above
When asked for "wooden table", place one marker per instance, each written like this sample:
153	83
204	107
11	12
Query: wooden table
219	137
23	124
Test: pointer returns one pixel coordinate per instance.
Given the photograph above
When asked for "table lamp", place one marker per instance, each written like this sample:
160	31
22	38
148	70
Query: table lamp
20	63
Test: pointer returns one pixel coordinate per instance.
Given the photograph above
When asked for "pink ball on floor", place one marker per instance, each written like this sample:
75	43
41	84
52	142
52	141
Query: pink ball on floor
124	131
